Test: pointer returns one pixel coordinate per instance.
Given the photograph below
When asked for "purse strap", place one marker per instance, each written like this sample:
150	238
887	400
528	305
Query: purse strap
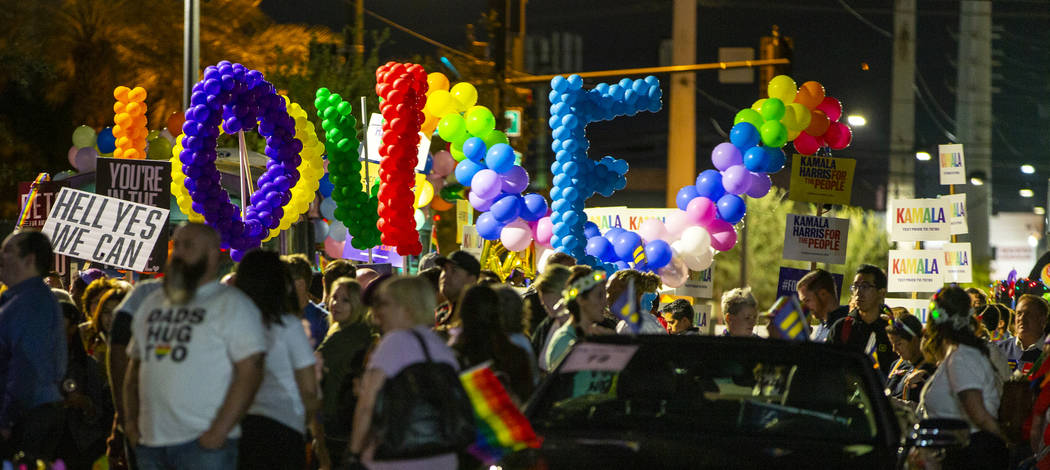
422	344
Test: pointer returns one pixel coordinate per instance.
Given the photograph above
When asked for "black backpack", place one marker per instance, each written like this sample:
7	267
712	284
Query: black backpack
422	411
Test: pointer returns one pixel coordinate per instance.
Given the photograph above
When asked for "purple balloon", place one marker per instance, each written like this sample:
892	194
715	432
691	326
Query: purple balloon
736	179
726	155
486	183
478	203
85	159
760	185
515	180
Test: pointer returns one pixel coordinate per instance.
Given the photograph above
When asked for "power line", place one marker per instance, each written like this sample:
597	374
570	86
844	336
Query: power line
425	39
865	20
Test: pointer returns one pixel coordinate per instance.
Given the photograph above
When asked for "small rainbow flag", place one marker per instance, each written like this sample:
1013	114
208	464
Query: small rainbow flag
501	427
33	191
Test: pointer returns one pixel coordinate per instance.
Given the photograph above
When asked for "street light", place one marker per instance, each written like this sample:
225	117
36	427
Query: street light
1039	210
1027	169
977	178
856	120
1026	192
923	156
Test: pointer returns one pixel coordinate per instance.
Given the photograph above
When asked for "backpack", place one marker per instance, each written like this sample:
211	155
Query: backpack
422	411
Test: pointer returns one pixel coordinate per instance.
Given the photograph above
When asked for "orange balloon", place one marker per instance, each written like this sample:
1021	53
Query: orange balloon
440	204
119	107
819	124
121	93
810	94
175	122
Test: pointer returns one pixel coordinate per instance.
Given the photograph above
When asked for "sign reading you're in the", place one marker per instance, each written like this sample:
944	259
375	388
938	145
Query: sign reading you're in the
103	229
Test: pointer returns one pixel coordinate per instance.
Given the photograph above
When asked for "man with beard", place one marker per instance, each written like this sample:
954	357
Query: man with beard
32	350
196	361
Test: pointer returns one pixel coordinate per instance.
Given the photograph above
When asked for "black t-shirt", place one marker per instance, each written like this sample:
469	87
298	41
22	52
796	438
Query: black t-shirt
853	332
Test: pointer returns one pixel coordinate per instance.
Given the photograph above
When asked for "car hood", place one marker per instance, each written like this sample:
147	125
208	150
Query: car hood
567	451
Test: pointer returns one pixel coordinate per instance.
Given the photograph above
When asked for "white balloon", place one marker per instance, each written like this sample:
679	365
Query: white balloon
695	239
420	219
328	208
704	260
337	230
320	230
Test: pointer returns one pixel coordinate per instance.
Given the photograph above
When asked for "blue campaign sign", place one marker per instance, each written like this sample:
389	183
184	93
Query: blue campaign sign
380	254
787	285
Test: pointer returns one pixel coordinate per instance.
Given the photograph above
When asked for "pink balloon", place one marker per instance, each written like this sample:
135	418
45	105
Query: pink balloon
444	164
838	136
544	231
806	144
676	223
831	107
72	156
437	181
701	211
333	248
652	229
675	273
723	235
516	235
760	185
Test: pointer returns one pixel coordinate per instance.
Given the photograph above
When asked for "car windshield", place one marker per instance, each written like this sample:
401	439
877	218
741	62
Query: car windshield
739	388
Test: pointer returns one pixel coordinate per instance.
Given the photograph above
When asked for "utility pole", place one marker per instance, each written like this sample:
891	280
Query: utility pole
902	104
359	32
681	128
191	49
973	115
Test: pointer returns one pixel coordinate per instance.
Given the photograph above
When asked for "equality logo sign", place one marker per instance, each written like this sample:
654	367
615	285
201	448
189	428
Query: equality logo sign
142	181
919	219
952	163
957	213
817	239
957	267
104	229
821	180
915	270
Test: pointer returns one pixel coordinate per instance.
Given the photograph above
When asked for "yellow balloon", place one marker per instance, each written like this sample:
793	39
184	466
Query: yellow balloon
802	114
424	194
465	95
757	105
783	88
436	81
439	103
793	134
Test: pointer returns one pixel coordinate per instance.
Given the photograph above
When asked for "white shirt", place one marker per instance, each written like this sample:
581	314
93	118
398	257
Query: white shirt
287	350
964	368
186	356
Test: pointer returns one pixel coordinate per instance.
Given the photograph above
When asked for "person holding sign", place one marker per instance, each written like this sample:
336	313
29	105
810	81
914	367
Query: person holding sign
32	350
1023	350
817	294
867	321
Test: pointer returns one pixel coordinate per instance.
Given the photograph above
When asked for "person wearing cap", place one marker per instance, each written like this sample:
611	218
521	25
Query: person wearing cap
910	372
458	271
679	318
817	294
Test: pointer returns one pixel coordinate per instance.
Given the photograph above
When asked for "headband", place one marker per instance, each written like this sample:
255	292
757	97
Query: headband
578	286
939	317
900	325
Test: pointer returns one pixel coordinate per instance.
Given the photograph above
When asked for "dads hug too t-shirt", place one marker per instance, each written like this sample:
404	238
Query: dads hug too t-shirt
186	355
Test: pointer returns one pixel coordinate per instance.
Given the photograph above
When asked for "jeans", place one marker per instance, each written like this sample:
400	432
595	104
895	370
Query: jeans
188	456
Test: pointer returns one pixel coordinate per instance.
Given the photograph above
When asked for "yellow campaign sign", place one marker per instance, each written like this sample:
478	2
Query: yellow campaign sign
821	180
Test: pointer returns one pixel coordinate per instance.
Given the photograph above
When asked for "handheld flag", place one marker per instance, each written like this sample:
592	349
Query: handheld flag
788	319
626	309
33	191
501	427
870	350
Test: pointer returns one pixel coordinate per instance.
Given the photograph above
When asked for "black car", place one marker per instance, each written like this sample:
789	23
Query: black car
654	402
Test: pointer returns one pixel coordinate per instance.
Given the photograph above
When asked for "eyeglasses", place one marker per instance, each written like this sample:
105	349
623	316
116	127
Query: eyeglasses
857	287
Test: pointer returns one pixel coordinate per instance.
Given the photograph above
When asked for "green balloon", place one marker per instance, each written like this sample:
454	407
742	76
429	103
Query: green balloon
774	134
84	137
749	116
495	137
159	149
480	121
453	128
773	109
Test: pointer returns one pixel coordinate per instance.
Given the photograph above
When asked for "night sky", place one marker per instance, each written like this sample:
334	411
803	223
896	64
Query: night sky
831	46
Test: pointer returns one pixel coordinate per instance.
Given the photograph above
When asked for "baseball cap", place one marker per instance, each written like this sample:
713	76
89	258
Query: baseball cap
462	259
368	295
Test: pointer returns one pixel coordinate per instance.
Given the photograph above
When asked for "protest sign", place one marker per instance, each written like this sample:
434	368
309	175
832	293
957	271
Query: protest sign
817	239
622	217
46	192
702	317
375	140
913	220
103	229
464	216
918	307
699	285
915	270
142	181
957	213
952	163
787	284
821	180
957	267
472	242
380	254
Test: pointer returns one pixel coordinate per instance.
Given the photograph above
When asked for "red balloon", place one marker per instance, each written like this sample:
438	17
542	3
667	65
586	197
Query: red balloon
395	96
838	136
806	144
819	123
831	107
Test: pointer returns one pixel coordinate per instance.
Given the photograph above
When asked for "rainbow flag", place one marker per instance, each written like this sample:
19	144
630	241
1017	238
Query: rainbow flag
33	191
501	428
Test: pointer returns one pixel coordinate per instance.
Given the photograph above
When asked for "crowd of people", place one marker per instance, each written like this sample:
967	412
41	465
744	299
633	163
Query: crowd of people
280	365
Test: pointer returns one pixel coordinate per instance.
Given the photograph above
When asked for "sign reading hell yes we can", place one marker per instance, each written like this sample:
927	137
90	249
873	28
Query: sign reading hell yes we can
103	229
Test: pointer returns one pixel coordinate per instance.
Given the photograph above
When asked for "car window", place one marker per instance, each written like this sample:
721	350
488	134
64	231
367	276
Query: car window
668	388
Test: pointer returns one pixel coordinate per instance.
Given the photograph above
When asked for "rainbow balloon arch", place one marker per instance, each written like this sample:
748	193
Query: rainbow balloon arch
478	165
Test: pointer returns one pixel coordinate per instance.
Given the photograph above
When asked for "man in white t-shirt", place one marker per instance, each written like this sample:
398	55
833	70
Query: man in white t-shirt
196	362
